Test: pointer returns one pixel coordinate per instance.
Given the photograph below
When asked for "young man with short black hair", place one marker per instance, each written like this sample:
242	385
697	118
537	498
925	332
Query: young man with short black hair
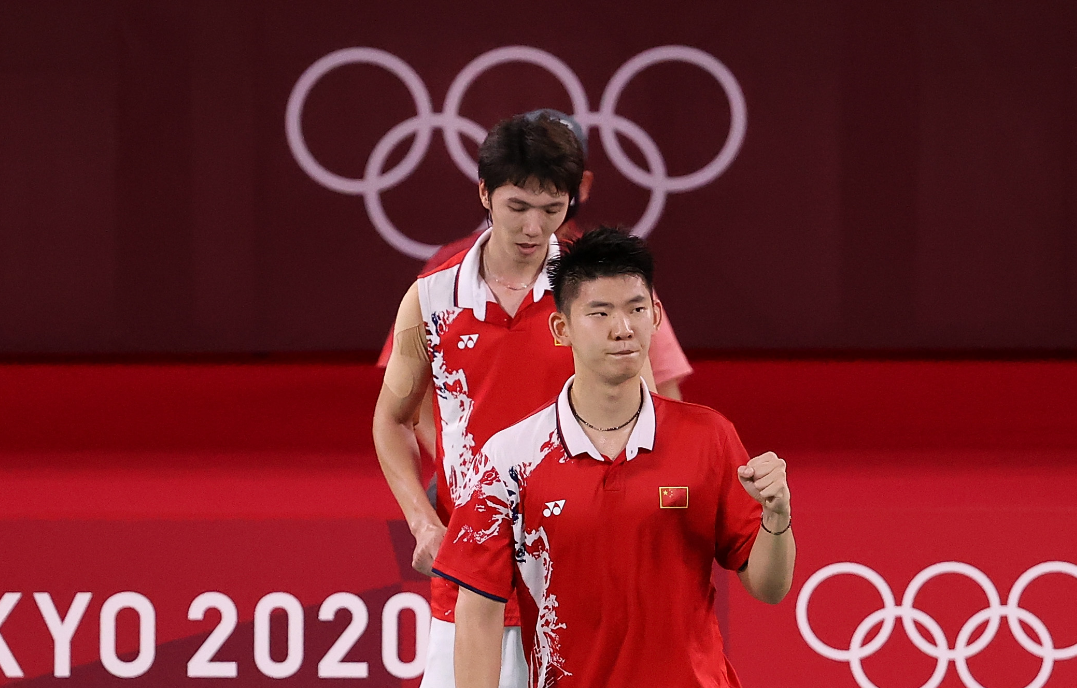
603	512
477	329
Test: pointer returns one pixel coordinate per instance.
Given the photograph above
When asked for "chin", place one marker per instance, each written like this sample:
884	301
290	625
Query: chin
617	377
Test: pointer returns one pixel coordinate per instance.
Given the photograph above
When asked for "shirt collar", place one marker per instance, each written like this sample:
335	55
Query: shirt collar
473	292
577	442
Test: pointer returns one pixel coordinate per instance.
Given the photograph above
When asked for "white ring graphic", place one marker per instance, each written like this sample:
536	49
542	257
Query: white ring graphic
939	649
376	180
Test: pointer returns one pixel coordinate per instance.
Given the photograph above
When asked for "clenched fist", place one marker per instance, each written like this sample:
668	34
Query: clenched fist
764	479
427	541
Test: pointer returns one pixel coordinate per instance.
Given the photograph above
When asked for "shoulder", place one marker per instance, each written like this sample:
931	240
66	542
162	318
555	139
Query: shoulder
525	440
449	256
689	416
437	288
409	313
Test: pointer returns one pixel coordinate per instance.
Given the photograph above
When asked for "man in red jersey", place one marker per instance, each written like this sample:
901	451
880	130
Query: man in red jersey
476	329
668	362
604	511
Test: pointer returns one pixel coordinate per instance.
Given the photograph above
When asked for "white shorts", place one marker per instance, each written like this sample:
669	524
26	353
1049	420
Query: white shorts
439	654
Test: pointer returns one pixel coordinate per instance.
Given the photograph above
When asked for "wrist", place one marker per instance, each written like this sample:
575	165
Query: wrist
424	522
776	523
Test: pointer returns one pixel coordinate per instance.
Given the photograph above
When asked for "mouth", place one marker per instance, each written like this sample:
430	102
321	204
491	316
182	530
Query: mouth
624	353
527	249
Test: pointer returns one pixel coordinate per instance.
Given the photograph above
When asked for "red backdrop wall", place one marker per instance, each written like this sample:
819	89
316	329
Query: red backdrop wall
906	177
171	481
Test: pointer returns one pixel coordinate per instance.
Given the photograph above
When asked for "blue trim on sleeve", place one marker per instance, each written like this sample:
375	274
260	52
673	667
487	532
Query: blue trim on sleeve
473	589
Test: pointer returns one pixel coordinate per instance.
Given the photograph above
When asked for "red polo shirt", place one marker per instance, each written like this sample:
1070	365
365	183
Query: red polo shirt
489	371
610	560
668	361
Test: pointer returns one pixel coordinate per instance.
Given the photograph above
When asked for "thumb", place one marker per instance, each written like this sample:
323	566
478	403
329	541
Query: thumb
746	472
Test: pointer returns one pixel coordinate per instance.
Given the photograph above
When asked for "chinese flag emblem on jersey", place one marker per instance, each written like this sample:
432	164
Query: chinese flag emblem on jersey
673	497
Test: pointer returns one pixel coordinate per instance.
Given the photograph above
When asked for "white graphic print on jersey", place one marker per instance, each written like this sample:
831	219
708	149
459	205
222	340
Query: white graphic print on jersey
455	405
501	491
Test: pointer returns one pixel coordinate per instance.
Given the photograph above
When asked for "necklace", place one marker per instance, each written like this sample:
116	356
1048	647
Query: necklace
577	416
511	286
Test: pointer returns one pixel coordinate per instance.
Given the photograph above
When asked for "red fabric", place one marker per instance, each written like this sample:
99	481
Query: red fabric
668	361
487	375
442	256
614	589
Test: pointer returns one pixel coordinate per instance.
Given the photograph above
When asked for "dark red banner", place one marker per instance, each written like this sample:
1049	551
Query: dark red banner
245	176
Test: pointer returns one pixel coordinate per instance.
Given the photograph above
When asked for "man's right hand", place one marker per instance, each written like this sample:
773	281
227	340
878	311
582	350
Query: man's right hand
427	541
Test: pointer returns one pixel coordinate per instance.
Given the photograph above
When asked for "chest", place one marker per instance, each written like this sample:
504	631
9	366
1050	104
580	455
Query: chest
623	504
490	373
497	347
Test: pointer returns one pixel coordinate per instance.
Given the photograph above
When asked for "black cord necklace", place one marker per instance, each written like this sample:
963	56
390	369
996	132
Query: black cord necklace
577	416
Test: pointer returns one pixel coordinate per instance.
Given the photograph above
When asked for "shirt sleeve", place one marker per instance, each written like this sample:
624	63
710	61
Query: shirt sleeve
668	361
737	521
443	255
477	552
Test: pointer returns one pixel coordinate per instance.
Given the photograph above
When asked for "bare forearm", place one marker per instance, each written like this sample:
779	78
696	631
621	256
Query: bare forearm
479	627
400	460
770	565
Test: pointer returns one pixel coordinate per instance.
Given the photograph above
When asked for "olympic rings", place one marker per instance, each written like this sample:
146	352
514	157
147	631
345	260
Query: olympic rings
940	649
376	179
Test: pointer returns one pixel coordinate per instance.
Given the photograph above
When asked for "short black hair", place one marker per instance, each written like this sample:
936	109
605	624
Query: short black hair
601	252
524	148
568	120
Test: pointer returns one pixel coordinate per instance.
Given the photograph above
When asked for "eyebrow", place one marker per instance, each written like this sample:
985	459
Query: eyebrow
606	304
556	205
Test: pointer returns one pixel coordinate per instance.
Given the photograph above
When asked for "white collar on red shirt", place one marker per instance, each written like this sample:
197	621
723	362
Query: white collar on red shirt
473	292
577	442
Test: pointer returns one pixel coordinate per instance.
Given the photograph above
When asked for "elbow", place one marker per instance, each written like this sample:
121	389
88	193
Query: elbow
770	589
385	421
775	595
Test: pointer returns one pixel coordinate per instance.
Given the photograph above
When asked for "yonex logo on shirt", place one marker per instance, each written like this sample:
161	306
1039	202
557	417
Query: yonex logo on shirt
467	341
553	508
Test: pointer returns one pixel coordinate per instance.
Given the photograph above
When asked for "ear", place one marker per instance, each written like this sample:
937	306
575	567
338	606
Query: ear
559	329
484	195
585	187
658	313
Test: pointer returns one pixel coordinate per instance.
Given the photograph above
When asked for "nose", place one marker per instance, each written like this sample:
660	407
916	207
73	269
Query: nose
621	327
533	224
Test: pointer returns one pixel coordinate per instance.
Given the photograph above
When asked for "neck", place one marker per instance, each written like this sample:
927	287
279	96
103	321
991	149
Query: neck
605	404
506	262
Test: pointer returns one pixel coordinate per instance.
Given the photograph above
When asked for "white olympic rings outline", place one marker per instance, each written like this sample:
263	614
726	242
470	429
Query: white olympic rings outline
452	124
940	650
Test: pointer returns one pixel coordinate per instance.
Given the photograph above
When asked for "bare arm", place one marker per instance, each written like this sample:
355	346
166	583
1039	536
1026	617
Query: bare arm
670	389
424	427
480	624
407	377
769	574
